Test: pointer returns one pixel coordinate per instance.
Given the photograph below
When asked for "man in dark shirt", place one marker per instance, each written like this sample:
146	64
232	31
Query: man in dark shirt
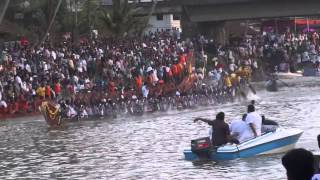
220	130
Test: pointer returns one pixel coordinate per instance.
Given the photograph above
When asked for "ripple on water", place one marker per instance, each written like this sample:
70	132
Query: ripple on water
149	147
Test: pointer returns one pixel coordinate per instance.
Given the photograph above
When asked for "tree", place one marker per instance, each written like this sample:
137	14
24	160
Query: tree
4	10
51	21
121	20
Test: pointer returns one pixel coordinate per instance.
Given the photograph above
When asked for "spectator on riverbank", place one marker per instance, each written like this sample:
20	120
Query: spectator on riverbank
118	66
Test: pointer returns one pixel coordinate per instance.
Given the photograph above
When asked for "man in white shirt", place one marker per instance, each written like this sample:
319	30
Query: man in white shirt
145	91
71	112
240	130
254	121
2	102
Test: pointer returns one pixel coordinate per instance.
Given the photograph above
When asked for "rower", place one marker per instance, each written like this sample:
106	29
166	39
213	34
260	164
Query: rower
71	112
83	112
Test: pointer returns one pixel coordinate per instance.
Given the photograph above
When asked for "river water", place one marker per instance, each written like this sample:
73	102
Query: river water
150	147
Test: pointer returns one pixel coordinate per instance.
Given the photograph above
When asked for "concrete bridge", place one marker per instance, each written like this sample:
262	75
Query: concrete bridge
209	16
222	10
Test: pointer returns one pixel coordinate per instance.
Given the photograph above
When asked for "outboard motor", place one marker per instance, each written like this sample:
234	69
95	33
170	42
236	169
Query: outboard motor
202	147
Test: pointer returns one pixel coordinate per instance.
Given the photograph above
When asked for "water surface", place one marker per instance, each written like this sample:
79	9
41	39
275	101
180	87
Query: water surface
149	147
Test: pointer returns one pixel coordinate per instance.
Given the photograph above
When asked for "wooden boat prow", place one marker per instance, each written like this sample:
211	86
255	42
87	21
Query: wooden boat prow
51	113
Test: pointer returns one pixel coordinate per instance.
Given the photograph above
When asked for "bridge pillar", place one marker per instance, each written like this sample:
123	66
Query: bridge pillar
215	30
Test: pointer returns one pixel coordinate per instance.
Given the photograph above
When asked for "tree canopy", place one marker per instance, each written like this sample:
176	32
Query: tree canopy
33	17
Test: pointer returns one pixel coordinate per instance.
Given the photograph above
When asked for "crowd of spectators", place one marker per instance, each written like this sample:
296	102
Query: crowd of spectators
113	68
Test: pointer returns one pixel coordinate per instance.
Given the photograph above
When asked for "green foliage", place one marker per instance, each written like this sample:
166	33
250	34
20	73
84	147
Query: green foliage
118	22
121	20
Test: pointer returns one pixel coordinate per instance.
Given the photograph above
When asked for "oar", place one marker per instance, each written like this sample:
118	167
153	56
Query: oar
283	82
252	89
243	94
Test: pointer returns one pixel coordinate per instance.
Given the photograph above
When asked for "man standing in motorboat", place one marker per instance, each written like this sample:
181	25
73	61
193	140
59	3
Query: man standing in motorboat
254	121
220	130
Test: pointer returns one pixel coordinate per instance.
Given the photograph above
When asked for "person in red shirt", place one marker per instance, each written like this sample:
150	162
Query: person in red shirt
182	59
111	89
23	104
48	91
180	71
174	70
138	82
57	88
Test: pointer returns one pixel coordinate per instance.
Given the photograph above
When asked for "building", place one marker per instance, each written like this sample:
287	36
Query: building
163	22
157	21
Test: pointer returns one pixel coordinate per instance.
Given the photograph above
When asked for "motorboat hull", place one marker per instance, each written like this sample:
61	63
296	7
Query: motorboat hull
273	142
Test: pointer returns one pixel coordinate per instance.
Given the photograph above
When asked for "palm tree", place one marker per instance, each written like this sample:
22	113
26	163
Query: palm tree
51	21
4	10
122	18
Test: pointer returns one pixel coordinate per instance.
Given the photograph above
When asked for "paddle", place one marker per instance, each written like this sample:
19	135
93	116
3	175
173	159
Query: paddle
283	82
252	89
243	94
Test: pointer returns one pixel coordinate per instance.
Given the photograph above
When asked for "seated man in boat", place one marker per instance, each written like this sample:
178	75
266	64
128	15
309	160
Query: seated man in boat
254	120
83	112
220	130
268	125
71	112
240	130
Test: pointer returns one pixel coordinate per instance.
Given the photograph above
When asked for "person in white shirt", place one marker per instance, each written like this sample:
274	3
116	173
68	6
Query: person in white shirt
2	102
254	121
240	130
71	112
145	91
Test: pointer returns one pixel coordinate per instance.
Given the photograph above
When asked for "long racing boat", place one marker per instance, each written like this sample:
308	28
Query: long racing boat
278	141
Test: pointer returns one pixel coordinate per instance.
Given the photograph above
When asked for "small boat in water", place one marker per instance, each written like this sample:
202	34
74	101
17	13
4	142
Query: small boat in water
51	113
272	85
54	117
278	141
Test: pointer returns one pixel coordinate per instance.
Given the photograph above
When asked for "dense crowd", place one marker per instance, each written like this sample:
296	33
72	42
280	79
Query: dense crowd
158	65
